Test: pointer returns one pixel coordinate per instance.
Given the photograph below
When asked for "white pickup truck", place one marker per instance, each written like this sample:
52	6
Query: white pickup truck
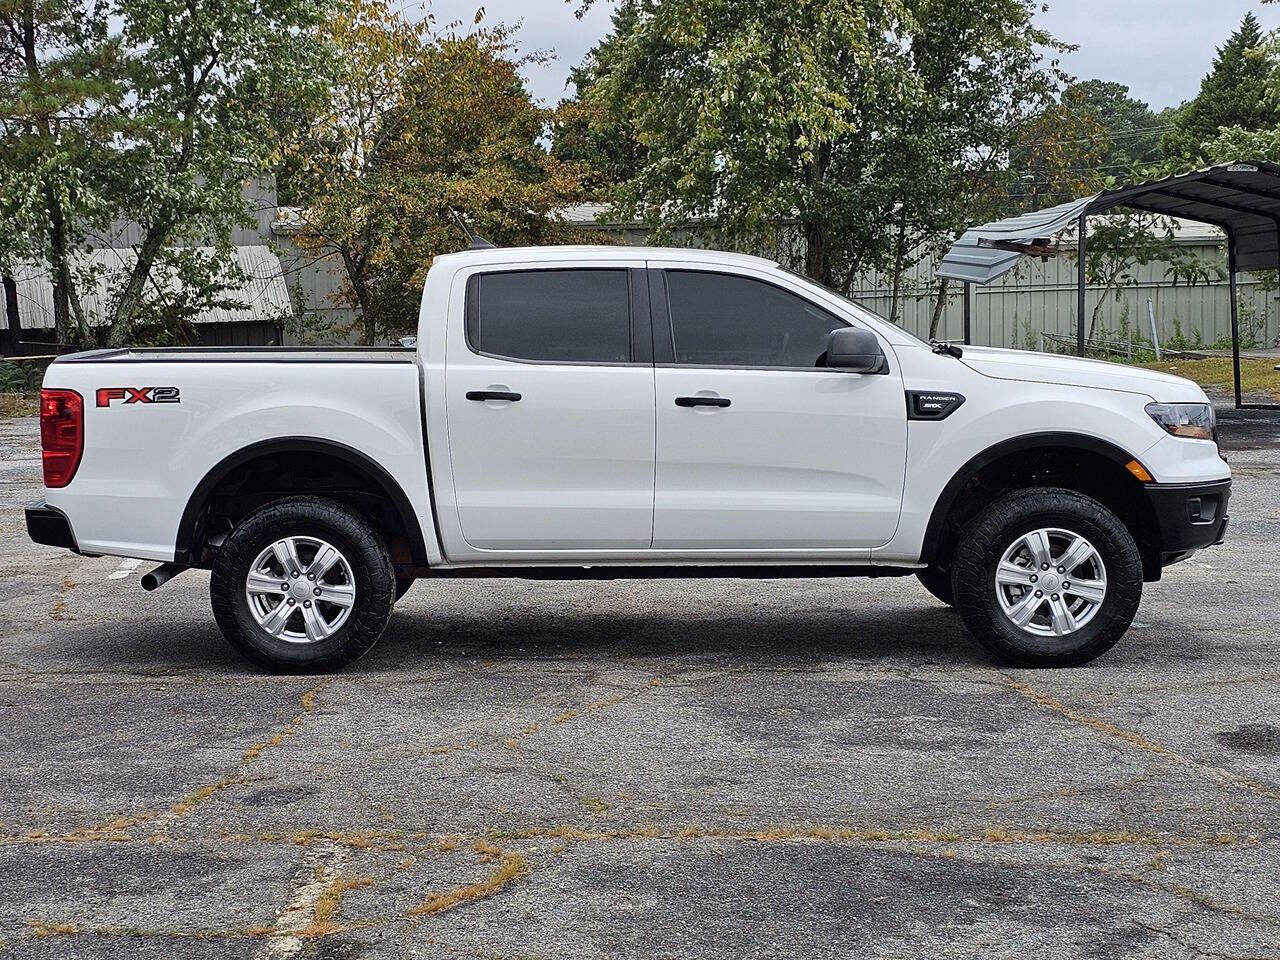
609	412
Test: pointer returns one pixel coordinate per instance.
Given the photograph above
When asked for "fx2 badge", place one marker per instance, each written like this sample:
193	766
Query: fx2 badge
109	395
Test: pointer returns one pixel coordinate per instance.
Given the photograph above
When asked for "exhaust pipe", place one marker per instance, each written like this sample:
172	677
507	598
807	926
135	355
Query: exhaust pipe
162	575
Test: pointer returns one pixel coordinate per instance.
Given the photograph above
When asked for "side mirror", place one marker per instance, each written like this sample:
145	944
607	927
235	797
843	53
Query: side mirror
855	350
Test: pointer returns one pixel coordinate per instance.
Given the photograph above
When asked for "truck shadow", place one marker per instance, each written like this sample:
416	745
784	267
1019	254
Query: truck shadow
421	636
764	638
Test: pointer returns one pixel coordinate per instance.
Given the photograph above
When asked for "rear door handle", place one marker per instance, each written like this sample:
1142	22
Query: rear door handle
492	395
702	401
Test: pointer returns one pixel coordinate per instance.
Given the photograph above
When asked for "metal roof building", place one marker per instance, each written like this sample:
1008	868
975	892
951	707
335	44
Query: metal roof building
1241	199
263	293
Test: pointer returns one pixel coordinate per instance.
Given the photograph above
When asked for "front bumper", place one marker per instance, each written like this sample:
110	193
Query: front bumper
50	526
1190	516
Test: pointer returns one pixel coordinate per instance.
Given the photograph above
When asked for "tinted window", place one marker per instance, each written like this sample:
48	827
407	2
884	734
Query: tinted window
581	316
733	321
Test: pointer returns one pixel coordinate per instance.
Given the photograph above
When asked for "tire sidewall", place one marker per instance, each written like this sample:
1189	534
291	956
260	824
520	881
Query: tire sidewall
323	519
998	527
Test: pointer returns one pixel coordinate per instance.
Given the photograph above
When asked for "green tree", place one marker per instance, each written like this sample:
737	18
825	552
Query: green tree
160	123
1133	131
987	75
1118	244
59	82
601	142
210	85
423	135
1234	94
754	113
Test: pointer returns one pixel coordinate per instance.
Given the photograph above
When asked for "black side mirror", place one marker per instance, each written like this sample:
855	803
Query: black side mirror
855	350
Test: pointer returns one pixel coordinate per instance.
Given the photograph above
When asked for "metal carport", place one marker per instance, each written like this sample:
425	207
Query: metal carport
1241	199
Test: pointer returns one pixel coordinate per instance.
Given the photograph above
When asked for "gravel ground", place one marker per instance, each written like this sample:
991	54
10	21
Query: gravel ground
640	769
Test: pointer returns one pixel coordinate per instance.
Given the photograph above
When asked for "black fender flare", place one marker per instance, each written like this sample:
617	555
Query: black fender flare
1032	441
185	547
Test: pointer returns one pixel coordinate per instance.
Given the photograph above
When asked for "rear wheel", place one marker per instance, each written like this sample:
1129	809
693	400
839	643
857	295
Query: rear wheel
302	585
1047	577
937	580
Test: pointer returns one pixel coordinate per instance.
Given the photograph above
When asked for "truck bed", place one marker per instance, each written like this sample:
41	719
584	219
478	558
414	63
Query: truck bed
244	355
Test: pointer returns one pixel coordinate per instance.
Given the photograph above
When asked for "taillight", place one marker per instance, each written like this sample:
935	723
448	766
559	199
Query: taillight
61	435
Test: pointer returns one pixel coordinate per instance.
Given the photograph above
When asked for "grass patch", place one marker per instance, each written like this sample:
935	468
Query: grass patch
322	924
19	405
508	867
1256	375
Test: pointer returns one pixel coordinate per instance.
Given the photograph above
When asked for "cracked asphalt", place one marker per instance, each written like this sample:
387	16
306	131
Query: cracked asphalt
701	768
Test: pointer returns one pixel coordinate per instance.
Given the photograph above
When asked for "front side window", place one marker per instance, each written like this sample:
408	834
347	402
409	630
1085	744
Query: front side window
570	316
724	320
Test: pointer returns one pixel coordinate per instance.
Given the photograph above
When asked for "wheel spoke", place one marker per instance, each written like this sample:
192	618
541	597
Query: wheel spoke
340	595
1022	612
326	557
260	582
1060	616
1076	554
1010	574
317	628
275	621
1093	590
1038	544
286	552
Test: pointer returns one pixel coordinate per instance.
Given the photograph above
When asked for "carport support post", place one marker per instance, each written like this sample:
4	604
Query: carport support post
968	311
1235	314
1080	275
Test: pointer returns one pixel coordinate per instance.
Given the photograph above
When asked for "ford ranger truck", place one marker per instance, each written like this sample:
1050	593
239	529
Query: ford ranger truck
610	412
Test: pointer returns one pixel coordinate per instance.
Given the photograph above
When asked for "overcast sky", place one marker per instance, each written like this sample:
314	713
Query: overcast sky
1160	48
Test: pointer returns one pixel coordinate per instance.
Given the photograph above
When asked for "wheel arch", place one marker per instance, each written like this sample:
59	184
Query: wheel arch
936	547
191	539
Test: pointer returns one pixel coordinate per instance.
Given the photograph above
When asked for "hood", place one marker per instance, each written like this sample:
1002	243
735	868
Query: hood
1078	372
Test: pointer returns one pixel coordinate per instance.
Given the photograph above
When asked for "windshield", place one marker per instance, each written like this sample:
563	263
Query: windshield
857	307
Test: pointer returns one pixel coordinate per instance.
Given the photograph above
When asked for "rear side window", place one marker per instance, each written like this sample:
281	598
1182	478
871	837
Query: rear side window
571	316
729	321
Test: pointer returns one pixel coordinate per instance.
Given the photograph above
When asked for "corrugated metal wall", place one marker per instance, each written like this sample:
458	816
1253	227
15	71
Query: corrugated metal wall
263	292
1040	296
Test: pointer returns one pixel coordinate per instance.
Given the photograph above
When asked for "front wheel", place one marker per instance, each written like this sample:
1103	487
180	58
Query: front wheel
303	585
1047	577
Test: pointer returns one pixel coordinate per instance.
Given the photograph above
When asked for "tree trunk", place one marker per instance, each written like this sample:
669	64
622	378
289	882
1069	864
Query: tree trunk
817	266
1093	321
939	306
355	276
11	313
130	303
899	255
69	322
817	261
66	302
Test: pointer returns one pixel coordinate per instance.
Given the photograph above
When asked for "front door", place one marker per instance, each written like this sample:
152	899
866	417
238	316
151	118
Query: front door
549	402
759	445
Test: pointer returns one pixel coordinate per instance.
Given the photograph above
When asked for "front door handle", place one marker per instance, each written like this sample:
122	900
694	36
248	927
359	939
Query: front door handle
492	395
702	401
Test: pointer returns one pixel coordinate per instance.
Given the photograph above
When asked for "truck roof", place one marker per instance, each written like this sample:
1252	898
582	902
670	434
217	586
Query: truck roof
602	252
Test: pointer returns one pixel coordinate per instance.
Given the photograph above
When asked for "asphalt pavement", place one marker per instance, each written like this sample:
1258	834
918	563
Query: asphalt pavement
700	768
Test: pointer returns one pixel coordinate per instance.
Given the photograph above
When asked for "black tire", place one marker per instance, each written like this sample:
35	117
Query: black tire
937	580
403	584
995	530
367	558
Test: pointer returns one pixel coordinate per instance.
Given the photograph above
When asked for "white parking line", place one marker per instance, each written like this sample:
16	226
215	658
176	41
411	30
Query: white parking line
126	567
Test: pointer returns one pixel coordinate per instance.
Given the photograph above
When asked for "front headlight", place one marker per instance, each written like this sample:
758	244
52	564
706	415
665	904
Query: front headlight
1193	420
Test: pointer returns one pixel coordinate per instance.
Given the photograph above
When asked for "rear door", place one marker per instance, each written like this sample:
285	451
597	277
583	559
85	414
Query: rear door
760	446
550	411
